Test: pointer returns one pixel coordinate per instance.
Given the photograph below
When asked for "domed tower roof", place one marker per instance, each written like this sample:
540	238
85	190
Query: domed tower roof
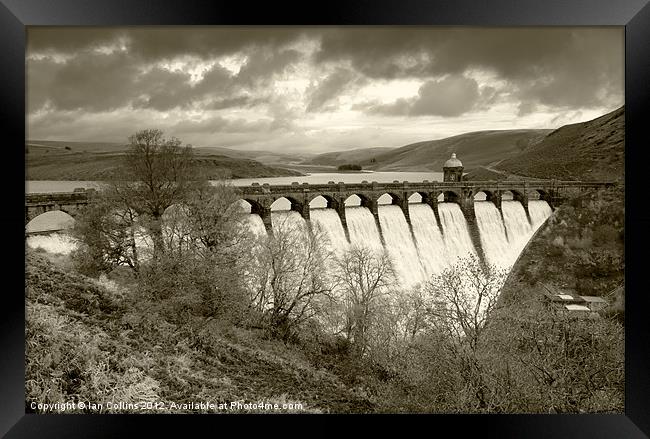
453	162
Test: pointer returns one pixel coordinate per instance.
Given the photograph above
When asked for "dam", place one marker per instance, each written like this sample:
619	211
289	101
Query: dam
423	226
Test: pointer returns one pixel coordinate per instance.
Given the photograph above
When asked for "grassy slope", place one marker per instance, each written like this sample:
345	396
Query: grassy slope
268	157
592	150
474	149
347	157
91	343
97	161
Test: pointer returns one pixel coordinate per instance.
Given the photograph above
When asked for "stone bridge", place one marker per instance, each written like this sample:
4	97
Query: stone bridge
68	202
261	197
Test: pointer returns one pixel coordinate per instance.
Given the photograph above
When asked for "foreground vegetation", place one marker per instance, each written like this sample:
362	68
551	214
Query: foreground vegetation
207	311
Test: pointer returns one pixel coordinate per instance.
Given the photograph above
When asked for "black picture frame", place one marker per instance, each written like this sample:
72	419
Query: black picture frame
15	15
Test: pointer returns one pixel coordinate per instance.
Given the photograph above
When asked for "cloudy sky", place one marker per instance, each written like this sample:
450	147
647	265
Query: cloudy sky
316	89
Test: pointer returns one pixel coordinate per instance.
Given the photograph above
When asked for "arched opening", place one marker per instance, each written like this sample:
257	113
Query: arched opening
50	221
242	206
356	200
448	197
388	198
483	195
419	197
539	194
252	206
518	196
507	196
285	203
415	198
318	203
323	201
252	216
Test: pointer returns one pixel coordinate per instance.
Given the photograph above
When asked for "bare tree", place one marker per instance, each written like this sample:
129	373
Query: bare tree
106	234
289	277
463	297
365	277
217	221
162	198
157	174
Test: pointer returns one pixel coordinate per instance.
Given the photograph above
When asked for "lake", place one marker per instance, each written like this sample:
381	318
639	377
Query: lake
43	186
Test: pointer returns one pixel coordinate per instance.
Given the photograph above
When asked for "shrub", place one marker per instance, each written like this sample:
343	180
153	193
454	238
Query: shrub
350	167
184	287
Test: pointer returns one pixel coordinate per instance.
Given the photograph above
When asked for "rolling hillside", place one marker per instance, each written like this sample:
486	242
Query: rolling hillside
593	150
266	157
49	160
352	156
474	149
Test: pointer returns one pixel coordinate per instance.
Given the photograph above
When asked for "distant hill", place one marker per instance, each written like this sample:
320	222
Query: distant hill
474	149
95	147
50	160
266	157
593	150
352	156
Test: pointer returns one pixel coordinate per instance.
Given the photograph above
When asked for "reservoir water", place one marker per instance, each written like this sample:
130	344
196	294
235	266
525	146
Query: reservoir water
43	186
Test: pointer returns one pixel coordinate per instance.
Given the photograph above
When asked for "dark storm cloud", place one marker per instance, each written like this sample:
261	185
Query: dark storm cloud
95	82
330	87
447	97
262	65
70	40
162	90
158	43
566	67
102	81
99	82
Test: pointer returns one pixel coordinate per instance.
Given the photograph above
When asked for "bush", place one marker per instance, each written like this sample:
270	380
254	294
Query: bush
184	287
350	167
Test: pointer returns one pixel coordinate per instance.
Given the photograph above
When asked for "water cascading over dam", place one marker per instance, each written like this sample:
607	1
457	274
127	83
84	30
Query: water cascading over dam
362	228
400	246
424	247
289	221
539	210
518	227
330	223
255	224
428	238
494	240
458	242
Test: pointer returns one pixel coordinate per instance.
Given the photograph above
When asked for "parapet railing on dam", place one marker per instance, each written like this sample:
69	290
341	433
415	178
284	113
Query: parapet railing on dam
261	197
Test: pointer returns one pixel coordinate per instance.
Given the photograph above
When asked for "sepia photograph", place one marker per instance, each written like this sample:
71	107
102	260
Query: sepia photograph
325	219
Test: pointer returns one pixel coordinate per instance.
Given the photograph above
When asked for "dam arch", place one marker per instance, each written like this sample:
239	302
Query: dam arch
323	201
50	220
450	196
